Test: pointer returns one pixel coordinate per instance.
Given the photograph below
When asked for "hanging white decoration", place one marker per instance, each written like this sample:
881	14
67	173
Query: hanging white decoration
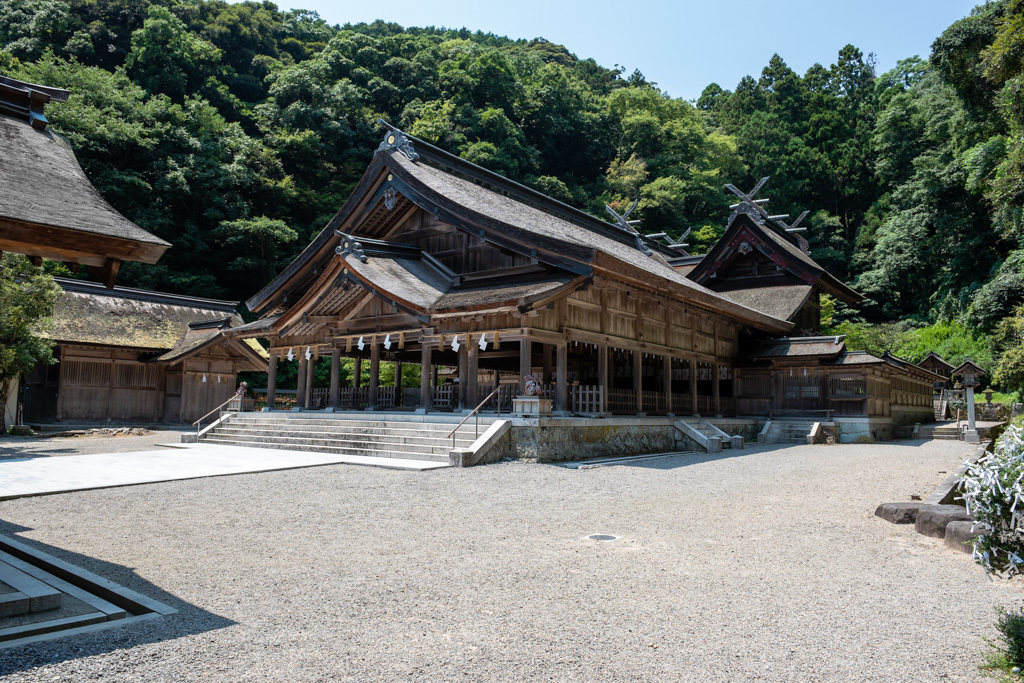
483	342
219	381
455	343
204	378
309	353
361	344
387	342
291	354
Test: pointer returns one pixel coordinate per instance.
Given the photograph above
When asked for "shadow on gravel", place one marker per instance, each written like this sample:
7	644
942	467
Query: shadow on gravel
15	453
189	619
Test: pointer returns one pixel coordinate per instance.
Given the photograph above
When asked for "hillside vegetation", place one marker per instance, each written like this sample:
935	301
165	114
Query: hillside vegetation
235	131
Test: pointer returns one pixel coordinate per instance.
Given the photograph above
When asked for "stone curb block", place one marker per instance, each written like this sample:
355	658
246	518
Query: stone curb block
898	513
932	519
960	535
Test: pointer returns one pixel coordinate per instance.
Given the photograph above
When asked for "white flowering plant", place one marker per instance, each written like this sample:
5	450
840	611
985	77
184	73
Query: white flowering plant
993	491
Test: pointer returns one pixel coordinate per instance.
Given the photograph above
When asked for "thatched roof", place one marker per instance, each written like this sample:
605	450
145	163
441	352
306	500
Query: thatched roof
89	313
43	185
782	301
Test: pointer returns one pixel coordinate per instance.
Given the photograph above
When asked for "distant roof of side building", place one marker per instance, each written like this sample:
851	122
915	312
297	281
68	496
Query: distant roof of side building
792	347
89	313
48	207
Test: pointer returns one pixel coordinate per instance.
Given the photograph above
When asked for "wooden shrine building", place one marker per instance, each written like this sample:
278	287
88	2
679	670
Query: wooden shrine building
130	355
48	208
436	261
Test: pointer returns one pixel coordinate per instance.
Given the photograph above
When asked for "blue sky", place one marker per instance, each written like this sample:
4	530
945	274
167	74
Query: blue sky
683	46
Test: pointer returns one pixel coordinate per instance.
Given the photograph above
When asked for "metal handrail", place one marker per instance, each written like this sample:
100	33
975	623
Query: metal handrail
198	423
477	413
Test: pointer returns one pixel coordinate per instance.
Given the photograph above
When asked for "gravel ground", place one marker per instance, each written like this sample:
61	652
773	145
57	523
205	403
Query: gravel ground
762	564
45	447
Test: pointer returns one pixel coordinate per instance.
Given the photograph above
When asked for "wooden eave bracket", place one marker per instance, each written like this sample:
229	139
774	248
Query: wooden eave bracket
107	274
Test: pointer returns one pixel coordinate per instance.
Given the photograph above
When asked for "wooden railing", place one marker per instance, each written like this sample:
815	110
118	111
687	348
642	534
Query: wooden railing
385	396
847	387
705	405
354	398
622	401
727	406
585	399
654	401
445	396
682	404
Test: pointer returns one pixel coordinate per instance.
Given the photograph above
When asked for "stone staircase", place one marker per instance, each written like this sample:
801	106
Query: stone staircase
940	408
378	435
789	431
939	431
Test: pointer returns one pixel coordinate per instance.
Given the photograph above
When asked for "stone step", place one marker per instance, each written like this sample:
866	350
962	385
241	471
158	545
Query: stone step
341	450
366	418
366	444
408	435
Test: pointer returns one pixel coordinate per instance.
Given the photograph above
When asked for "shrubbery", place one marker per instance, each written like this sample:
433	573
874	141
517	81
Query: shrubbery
993	491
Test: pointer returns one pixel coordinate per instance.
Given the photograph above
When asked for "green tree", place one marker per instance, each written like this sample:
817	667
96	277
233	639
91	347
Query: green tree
168	58
27	297
256	245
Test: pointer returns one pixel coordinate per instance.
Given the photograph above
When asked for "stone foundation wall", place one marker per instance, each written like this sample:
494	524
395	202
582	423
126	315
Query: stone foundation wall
908	415
550	440
864	429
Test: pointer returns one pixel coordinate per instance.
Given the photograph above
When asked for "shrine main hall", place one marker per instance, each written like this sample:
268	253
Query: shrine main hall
484	282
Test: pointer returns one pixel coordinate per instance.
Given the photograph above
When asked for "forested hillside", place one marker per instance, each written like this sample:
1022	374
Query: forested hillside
235	131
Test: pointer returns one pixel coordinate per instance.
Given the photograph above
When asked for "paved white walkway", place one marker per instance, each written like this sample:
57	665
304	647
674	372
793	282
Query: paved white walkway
38	476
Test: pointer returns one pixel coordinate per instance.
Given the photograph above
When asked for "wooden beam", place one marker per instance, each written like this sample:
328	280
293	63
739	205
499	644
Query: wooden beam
108	273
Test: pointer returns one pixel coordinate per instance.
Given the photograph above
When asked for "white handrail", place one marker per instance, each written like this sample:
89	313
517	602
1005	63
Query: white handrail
198	423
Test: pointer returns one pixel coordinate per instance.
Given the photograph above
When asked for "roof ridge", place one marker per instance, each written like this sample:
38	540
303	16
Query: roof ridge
87	287
523	193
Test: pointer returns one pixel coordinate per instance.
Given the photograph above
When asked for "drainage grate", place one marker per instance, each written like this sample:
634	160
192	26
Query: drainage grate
602	537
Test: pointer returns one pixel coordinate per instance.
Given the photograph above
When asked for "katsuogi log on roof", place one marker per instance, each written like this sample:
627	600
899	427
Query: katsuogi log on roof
48	208
765	264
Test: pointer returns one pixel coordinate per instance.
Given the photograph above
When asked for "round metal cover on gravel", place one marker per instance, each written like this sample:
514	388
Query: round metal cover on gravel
602	537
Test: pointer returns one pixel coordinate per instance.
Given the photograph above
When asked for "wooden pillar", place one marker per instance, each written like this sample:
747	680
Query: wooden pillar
638	379
715	389
374	373
272	382
463	376
335	378
602	375
398	382
693	386
300	394
561	376
525	362
546	360
667	360
426	388
472	373
357	372
310	380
